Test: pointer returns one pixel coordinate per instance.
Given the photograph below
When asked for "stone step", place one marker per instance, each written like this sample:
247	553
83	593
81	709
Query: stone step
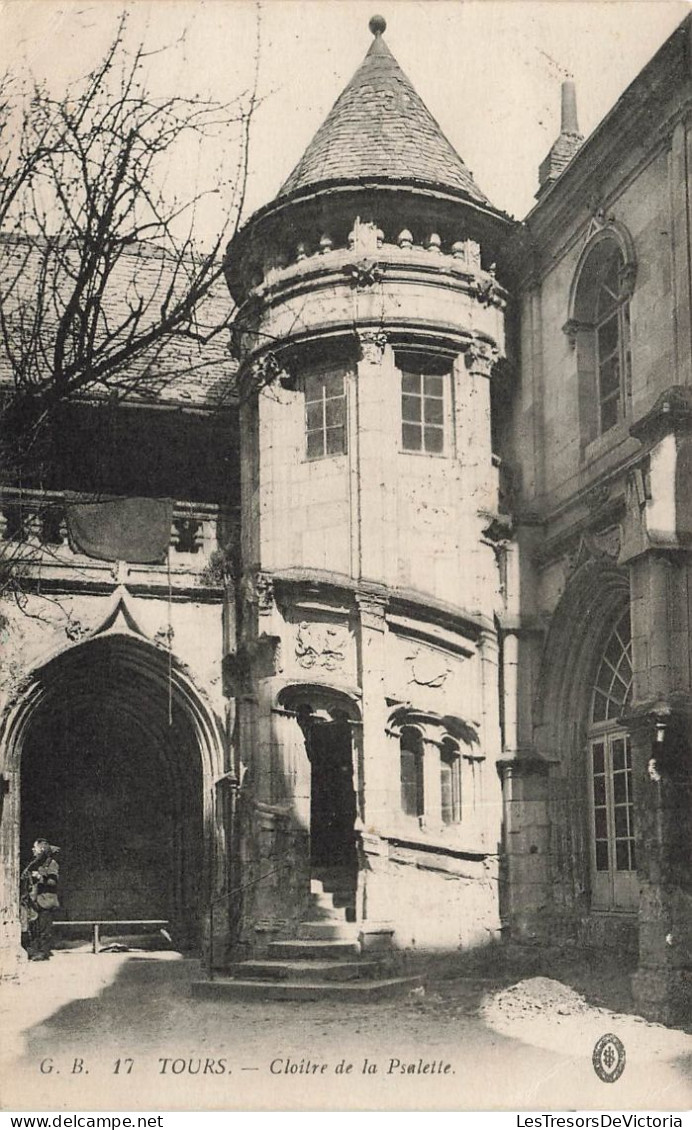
226	988
339	930
300	949
304	970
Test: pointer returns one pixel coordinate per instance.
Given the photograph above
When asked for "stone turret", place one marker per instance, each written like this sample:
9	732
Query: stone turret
370	316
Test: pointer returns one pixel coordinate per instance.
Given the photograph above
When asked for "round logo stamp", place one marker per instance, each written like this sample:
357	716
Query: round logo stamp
609	1058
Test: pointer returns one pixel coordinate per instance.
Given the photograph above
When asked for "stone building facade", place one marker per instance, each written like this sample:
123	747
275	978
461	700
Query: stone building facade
428	651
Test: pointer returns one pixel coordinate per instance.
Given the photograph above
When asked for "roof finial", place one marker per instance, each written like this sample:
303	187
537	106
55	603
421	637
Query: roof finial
378	26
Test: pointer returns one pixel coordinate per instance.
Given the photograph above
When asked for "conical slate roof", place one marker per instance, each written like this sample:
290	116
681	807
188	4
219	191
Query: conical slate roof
380	129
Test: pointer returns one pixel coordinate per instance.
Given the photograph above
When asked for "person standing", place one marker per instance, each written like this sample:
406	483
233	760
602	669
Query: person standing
39	898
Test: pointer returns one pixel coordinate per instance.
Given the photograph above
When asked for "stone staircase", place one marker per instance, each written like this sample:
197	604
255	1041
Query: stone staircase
324	961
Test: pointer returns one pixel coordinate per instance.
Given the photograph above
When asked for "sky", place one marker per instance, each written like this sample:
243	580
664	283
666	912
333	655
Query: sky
488	70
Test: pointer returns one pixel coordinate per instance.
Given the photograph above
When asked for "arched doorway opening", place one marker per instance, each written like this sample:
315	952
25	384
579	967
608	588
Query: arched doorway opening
582	695
113	754
330	726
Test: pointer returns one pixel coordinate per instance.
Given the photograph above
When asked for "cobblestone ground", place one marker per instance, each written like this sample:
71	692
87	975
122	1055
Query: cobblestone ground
123	1032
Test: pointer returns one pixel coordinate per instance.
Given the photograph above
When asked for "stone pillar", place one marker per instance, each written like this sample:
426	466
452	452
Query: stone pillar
374	893
662	762
525	891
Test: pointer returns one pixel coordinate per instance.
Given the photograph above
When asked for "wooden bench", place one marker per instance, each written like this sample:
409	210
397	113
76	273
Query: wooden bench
97	923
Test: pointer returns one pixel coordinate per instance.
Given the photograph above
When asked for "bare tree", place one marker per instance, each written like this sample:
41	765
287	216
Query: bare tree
101	267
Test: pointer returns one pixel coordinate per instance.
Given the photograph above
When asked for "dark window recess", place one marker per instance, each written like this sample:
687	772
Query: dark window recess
411	768
450	782
325	415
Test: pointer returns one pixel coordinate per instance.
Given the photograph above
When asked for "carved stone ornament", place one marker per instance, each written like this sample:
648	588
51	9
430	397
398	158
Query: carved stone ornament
364	273
428	669
321	645
258	588
485	289
372	345
604	544
597	498
480	358
75	629
264	587
265	370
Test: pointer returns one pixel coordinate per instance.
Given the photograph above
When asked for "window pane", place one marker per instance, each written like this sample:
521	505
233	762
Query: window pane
450	787
411	382
599	793
597	752
313	388
411	408
610	377
601	824
622	855
619	788
315	444
411	436
433	411
334	384
433	385
336	441
434	440
411	769
334	411
601	855
609	415
608	337
619	753
313	415
621	829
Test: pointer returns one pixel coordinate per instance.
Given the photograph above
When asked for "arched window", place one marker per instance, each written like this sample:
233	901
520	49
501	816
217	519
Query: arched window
450	782
411	765
599	324
614	879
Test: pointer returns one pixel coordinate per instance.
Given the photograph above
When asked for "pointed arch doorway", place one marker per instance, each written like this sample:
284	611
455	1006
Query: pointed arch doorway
114	753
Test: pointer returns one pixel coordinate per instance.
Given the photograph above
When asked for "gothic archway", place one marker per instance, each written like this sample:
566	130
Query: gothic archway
111	753
593	604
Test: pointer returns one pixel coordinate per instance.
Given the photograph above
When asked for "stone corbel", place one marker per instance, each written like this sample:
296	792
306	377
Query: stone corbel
480	356
667	723
372	344
571	331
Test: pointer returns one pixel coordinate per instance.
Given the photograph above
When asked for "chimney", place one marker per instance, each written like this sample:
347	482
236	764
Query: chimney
567	144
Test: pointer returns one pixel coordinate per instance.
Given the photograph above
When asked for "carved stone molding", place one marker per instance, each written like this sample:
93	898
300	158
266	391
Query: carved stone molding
480	357
321	645
364	273
372	608
597	498
428	669
372	345
602	545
